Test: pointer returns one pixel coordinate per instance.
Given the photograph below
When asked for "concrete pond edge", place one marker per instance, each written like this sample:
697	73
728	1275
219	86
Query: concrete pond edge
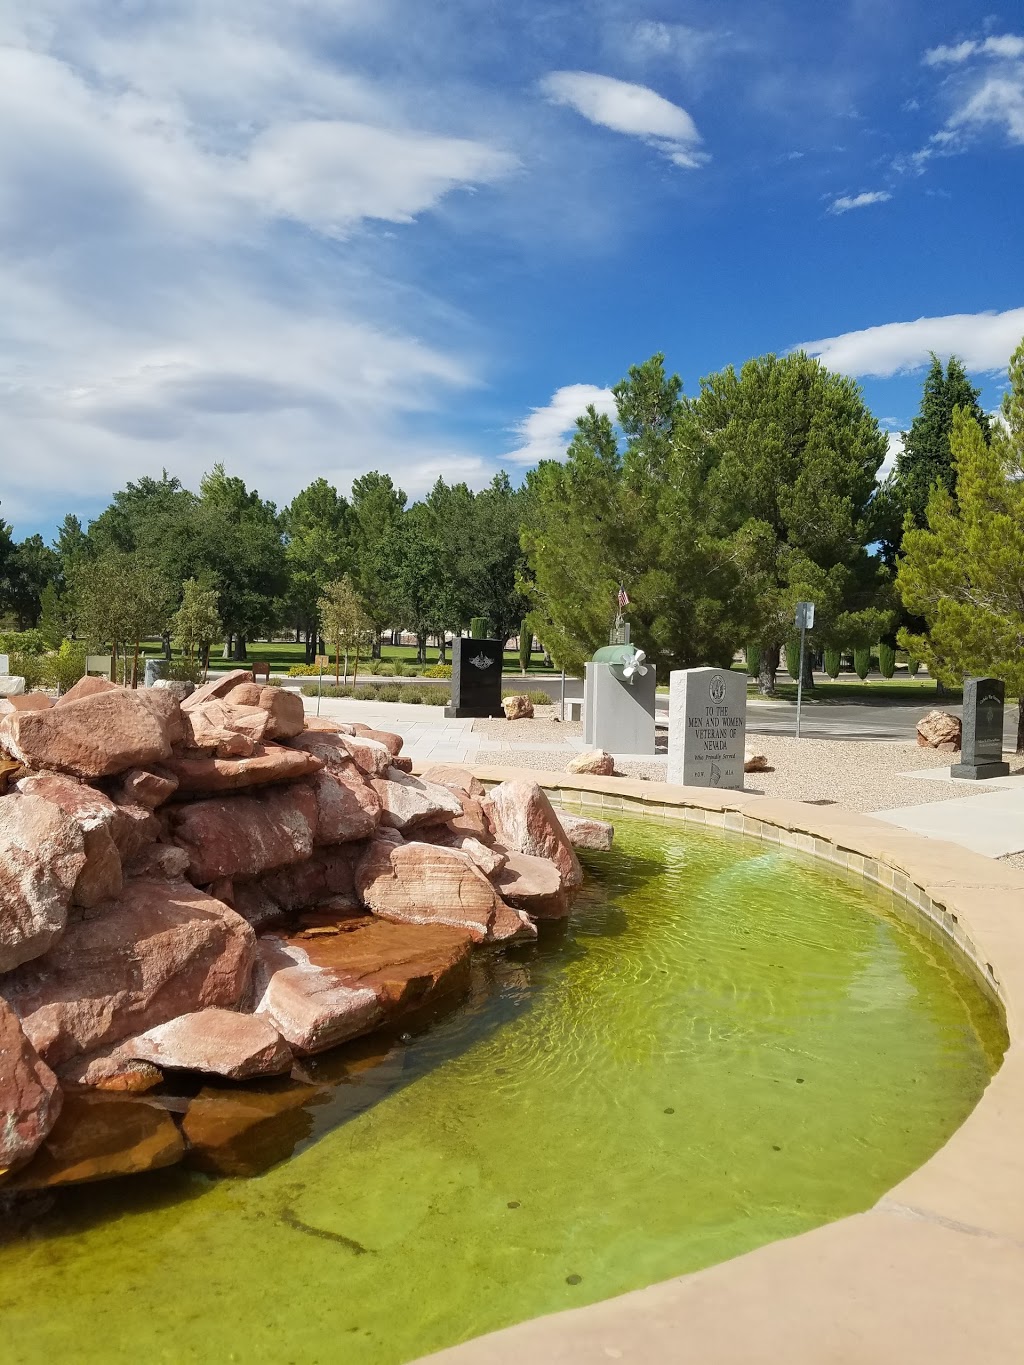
933	1271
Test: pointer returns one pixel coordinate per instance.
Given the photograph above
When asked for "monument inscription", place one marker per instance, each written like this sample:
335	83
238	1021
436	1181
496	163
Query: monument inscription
707	727
476	677
981	746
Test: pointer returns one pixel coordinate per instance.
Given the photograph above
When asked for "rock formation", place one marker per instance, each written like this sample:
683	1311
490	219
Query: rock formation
218	886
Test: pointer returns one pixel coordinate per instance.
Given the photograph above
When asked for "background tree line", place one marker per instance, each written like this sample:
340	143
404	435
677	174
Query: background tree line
718	512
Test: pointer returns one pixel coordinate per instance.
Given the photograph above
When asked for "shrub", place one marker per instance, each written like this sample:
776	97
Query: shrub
538	697
366	692
61	670
862	661
22	642
479	626
385	670
793	658
913	665
31	667
184	670
412	695
372	666
833	662
390	692
304	671
886	659
435	696
438	671
752	654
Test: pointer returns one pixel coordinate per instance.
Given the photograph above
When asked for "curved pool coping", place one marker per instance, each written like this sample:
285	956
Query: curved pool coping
934	1270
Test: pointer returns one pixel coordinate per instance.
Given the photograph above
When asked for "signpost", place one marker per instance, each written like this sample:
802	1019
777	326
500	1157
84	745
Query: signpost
805	620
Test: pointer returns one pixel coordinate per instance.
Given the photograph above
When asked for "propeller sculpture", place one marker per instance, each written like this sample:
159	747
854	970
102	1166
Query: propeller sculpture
635	667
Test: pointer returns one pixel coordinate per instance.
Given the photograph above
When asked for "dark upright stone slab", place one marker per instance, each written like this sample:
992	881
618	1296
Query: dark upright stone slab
981	748
476	678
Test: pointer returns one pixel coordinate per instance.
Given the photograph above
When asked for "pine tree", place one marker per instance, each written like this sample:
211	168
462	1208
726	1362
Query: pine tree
964	571
926	457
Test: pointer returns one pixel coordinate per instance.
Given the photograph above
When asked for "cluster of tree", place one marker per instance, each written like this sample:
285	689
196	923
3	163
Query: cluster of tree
717	512
162	560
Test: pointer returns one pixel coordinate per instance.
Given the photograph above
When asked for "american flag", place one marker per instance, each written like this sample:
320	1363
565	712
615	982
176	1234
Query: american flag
623	596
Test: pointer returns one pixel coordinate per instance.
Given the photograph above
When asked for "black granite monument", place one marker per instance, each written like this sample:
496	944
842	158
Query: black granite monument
476	677
981	748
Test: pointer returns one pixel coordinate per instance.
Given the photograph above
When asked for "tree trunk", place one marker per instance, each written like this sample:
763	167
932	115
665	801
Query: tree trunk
421	648
355	666
442	645
767	669
337	665
310	650
808	669
135	667
239	651
1020	725
375	647
229	639
166	639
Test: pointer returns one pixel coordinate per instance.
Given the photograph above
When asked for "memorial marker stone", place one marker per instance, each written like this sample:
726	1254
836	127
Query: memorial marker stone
981	745
619	692
707	727
476	677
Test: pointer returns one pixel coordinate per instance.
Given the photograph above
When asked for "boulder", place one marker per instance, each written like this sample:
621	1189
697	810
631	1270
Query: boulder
95	736
328	877
403	764
417	883
488	860
133	828
161	949
207	731
320	992
524	822
246	835
407	801
109	1069
142	788
583	831
166	710
756	763
243	694
159	860
450	775
369	755
30	1097
95	815
178	688
532	884
517	707
30	701
11	686
98	1136
220	1041
245	1132
324	725
346	807
269	763
393	743
217	687
598	762
287	717
42	854
937	730
10	771
86	687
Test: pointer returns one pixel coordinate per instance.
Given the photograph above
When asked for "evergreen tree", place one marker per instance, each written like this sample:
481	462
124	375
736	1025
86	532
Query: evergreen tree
377	507
317	552
926	457
964	571
196	623
30	567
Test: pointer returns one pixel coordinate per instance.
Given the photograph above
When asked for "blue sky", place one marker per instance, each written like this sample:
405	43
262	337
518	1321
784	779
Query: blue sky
313	237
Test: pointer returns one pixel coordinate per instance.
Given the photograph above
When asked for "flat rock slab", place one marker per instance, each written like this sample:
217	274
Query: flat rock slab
533	885
320	992
42	853
407	801
98	1136
161	949
222	1042
583	831
244	1132
205	776
94	736
347	806
246	835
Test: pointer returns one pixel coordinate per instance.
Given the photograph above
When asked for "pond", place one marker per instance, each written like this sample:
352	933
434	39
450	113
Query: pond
729	1044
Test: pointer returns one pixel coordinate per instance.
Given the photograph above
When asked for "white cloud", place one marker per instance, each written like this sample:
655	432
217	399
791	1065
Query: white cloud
635	110
984	341
1007	45
544	432
895	439
997	101
847	202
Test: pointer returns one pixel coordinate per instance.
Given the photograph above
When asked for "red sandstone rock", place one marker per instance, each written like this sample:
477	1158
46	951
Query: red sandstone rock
524	822
418	883
95	815
328	876
246	835
111	1070
404	765
369	755
534	885
30	701
42	854
940	730
30	1097
409	801
160	950
165	709
243	694
347	807
287	716
324	725
393	743
244	1132
95	736
323	991
270	763
596	761
488	860
133	828
255	905
217	687
208	730
86	687
450	775
220	1041
518	707
583	831
160	860
142	788
98	1136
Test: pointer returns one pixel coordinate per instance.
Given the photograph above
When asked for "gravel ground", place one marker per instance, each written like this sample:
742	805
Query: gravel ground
862	775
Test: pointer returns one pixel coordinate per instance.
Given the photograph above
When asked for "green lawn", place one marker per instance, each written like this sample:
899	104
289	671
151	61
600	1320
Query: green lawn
282	656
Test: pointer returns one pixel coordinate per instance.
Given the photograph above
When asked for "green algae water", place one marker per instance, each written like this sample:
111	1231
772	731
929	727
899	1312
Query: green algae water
729	1045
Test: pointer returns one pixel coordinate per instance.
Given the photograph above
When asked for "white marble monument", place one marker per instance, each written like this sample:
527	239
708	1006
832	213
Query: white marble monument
707	726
